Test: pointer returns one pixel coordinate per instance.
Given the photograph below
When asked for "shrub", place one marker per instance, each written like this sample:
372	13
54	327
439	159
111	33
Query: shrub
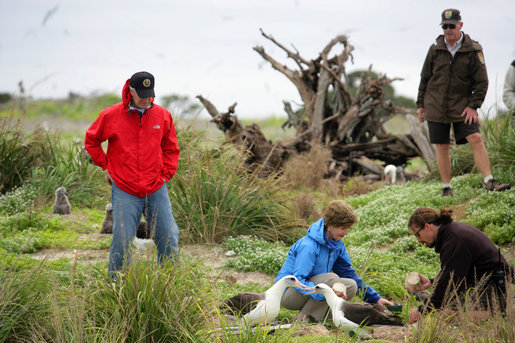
304	207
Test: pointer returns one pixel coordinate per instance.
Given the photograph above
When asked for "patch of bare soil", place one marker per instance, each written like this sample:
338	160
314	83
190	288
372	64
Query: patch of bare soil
311	330
394	333
82	256
214	258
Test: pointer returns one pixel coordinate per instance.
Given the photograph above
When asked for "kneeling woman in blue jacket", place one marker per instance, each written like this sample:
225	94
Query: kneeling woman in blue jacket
320	257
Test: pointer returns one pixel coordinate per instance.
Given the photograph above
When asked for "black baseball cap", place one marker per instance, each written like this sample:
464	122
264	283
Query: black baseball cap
143	83
451	16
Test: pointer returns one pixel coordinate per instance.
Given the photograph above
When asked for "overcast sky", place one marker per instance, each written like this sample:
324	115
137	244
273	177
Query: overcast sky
205	47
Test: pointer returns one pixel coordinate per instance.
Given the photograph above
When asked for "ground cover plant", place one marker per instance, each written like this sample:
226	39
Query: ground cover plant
64	299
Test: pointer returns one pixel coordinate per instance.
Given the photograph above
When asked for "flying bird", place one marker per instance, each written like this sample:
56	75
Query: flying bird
254	308
49	13
62	203
350	316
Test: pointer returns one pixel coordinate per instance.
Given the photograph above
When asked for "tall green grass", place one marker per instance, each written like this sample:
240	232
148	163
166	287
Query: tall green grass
84	181
499	137
152	303
23	299
213	197
38	161
20	153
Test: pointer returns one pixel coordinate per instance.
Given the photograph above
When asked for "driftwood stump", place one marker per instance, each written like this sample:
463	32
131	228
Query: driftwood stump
351	126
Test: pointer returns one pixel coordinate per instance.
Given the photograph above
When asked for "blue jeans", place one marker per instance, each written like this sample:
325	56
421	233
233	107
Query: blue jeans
127	211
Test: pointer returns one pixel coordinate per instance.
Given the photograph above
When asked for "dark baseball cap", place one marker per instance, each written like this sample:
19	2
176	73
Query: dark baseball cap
143	83
450	16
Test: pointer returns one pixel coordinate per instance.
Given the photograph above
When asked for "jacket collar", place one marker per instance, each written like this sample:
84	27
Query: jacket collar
466	45
440	237
316	232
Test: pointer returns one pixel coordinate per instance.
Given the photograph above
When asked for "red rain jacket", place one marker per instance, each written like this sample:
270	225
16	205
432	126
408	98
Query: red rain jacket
142	151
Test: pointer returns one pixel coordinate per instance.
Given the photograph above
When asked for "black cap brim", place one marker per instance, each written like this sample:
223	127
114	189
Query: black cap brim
146	93
450	21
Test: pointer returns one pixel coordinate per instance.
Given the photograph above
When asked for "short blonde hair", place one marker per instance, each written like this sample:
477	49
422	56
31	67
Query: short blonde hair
339	214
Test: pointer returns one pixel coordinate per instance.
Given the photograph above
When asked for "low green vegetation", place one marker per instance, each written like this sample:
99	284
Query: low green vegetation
216	202
255	254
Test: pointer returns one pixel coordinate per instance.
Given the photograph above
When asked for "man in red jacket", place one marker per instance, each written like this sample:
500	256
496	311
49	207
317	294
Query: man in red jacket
142	155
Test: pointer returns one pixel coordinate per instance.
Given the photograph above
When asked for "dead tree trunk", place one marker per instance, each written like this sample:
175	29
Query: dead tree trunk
350	126
261	154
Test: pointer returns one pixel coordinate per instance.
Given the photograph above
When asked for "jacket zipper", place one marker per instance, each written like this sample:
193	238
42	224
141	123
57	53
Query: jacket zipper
448	82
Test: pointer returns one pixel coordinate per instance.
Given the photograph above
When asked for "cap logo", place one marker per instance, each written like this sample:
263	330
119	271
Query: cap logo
448	14
146	83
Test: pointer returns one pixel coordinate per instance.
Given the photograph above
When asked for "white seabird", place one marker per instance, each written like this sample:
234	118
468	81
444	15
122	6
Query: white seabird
394	175
143	240
255	308
350	316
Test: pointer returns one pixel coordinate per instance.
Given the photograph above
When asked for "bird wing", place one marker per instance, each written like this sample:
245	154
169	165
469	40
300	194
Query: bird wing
242	303
340	321
370	314
142	244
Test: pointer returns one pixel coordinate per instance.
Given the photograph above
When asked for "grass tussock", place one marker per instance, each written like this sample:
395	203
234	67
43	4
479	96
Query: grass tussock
22	299
305	207
20	153
358	186
307	170
214	198
153	303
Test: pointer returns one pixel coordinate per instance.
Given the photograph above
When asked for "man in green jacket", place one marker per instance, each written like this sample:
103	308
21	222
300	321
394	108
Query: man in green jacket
452	87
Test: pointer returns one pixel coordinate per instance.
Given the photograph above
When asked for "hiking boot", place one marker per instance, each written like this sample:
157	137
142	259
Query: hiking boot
494	185
446	192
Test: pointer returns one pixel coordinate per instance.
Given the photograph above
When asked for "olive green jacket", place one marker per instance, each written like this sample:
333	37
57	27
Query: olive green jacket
448	85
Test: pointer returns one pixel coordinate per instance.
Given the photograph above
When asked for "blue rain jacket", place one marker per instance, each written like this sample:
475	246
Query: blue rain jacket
312	255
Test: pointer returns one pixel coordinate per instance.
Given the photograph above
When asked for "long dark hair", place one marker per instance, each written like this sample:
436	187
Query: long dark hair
424	215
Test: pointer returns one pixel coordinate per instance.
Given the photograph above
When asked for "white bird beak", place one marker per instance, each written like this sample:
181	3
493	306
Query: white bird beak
310	289
300	285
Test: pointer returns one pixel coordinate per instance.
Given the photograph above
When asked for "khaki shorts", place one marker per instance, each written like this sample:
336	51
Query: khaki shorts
439	133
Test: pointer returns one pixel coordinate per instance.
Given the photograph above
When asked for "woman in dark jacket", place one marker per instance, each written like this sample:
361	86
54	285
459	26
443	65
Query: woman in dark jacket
468	259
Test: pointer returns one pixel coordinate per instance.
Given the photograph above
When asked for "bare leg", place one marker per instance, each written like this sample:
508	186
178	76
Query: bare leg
480	153
443	160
